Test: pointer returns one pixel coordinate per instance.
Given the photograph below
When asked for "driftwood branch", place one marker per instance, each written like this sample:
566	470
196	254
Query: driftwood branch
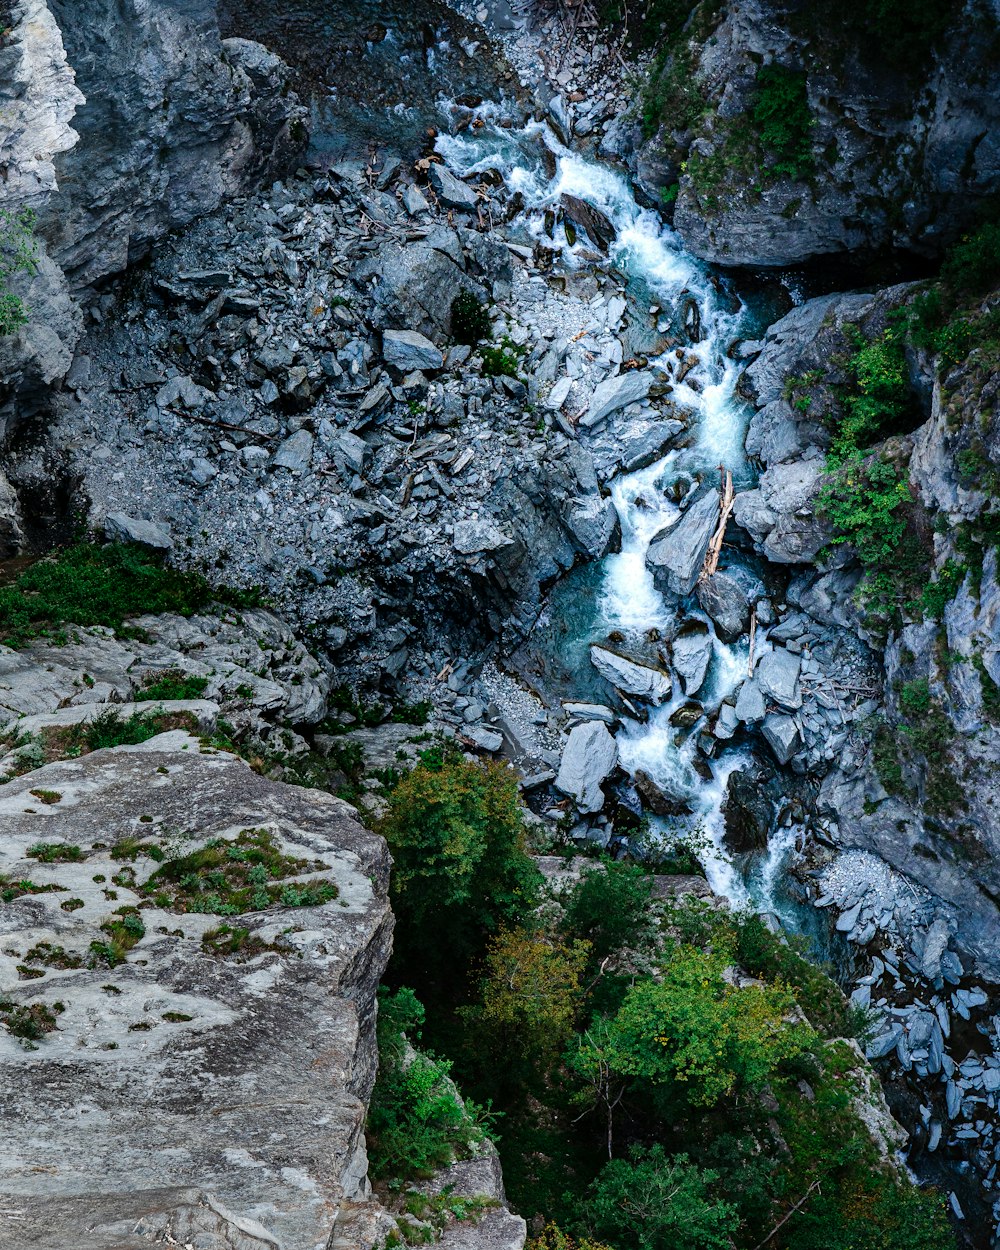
715	546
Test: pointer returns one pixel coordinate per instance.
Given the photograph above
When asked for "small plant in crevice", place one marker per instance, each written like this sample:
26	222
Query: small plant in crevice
504	360
171	684
470	319
29	1022
18	254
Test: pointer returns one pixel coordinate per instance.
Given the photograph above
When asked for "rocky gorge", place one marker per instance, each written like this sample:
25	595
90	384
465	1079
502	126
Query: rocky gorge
518	469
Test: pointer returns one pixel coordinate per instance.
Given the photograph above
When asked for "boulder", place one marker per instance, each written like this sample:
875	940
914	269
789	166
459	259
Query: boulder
677	557
617	392
641	680
451	191
654	797
747	811
119	527
474	536
750	702
596	225
588	759
214	1036
590	711
783	735
722	598
777	677
295	453
692	654
407	350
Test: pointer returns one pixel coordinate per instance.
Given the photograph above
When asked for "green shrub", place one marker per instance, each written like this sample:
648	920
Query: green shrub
110	729
609	908
18	254
783	121
172	684
503	360
461	871
417	1121
652	1202
90	585
470	319
863	501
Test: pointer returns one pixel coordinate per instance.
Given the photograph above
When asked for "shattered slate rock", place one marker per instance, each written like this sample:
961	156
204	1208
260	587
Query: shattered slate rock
778	678
451	191
614	393
722	598
783	736
121	528
692	654
407	350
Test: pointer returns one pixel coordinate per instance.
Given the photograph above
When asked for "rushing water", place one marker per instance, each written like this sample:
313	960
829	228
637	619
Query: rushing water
622	596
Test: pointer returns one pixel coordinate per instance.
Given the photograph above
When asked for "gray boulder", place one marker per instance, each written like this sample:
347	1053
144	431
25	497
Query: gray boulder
588	759
747	811
677	558
407	350
595	224
451	191
617	392
778	678
692	654
295	453
783	736
126	529
722	598
750	702
641	680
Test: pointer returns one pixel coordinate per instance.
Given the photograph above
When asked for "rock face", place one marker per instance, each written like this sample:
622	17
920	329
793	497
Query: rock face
881	167
188	1048
115	150
588	760
630	677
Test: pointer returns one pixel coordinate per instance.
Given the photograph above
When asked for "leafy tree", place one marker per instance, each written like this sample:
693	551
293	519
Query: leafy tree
460	867
653	1202
694	1029
609	908
532	993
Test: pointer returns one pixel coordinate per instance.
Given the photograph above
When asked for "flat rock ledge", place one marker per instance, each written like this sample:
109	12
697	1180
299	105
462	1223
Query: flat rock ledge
184	1096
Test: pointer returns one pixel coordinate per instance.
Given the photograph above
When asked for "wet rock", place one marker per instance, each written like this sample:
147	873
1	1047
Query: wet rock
126	529
614	393
595	224
747	811
451	191
722	598
630	677
656	799
407	350
783	736
692	654
678	556
588	759
777	676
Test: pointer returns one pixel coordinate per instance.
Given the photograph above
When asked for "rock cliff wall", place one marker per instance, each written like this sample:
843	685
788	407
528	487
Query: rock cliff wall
875	132
123	122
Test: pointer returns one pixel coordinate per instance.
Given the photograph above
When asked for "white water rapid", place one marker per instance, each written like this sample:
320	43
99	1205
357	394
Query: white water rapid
658	271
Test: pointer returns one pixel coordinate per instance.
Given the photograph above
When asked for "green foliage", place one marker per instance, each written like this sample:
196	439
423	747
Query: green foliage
124	930
461	870
90	585
531	995
864	502
936	595
552	1237
470	319
110	729
698	1037
652	1202
416	1120
672	96
18	254
972	266
879	399
228	878
55	853
783	121
609	908
503	360
172	684
10	890
29	1022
